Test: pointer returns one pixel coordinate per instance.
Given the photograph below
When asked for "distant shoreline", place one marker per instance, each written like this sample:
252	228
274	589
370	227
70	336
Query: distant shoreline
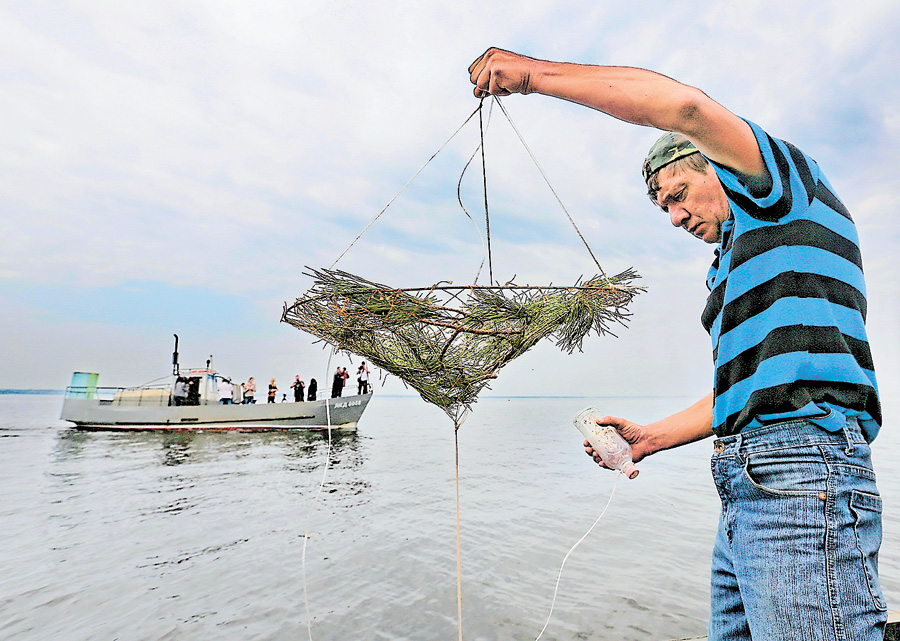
60	392
53	392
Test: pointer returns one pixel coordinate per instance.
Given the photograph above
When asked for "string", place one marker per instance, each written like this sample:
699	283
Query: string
459	196
487	219
402	189
458	540
315	503
546	180
572	549
484	179
487	225
328	369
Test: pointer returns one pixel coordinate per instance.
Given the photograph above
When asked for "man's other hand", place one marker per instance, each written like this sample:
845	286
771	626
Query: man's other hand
631	432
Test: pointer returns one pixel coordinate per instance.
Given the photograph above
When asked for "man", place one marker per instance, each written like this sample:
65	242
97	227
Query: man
225	391
794	403
337	383
362	379
180	392
298	387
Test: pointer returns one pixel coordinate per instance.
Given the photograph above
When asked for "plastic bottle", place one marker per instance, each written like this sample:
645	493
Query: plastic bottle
606	441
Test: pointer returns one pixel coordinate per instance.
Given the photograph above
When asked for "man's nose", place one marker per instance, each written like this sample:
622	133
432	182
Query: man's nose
677	215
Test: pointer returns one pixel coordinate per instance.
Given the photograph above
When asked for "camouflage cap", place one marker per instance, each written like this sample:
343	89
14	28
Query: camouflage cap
669	148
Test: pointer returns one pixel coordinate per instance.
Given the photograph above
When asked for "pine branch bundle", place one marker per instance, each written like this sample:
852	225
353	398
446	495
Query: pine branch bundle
447	347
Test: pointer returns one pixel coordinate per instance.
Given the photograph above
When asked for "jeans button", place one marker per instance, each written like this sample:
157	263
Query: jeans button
719	447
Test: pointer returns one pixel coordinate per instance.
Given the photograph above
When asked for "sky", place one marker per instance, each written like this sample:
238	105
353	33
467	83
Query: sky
174	167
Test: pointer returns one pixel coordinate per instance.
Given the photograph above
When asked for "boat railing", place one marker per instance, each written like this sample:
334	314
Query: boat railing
149	396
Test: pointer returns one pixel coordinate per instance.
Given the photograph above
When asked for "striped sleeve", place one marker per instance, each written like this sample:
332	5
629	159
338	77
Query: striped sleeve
788	169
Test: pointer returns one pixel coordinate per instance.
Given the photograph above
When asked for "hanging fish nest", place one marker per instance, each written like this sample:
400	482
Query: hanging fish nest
448	342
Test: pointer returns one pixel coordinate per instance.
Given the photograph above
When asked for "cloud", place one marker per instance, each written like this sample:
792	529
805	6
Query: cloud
217	148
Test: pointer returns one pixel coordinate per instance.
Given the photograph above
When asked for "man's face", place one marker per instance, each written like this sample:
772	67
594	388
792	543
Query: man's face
694	200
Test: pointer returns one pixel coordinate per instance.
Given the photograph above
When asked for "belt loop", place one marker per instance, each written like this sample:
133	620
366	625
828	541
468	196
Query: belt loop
846	431
738	441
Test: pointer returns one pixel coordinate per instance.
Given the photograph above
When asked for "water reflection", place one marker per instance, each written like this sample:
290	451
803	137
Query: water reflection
210	457
178	448
70	444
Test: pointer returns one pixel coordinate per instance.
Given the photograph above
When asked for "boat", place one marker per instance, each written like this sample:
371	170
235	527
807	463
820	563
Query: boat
155	406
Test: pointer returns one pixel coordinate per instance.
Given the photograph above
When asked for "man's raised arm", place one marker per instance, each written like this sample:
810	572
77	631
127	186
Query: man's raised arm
634	95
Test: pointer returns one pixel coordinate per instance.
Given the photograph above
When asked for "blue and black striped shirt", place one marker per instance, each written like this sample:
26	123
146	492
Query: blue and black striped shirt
787	304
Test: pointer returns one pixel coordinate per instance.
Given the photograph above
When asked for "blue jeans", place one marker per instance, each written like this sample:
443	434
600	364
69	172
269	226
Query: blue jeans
796	555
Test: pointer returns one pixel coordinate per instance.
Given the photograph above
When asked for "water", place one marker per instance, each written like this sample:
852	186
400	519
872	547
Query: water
178	536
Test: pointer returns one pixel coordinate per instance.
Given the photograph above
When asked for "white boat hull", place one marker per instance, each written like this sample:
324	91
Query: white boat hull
94	414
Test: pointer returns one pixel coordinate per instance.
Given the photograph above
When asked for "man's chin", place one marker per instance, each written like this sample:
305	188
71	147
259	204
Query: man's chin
713	236
705	237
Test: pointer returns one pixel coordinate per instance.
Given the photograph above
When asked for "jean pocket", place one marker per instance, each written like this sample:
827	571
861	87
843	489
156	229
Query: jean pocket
787	472
866	509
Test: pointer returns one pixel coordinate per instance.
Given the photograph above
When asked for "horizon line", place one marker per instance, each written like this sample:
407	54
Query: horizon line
54	391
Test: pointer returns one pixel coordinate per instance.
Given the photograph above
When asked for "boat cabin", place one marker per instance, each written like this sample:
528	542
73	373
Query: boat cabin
200	388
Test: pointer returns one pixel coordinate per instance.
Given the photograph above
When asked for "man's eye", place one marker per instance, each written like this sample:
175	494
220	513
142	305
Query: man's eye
680	195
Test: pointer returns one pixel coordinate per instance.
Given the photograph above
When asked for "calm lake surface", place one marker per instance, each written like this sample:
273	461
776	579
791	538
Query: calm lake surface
200	536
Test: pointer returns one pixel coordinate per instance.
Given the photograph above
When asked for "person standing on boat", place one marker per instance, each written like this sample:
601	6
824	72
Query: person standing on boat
179	393
312	389
225	391
362	379
249	392
337	384
298	388
273	390
795	404
193	391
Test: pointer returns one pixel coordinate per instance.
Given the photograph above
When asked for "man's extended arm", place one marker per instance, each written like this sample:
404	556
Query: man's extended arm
634	95
686	426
